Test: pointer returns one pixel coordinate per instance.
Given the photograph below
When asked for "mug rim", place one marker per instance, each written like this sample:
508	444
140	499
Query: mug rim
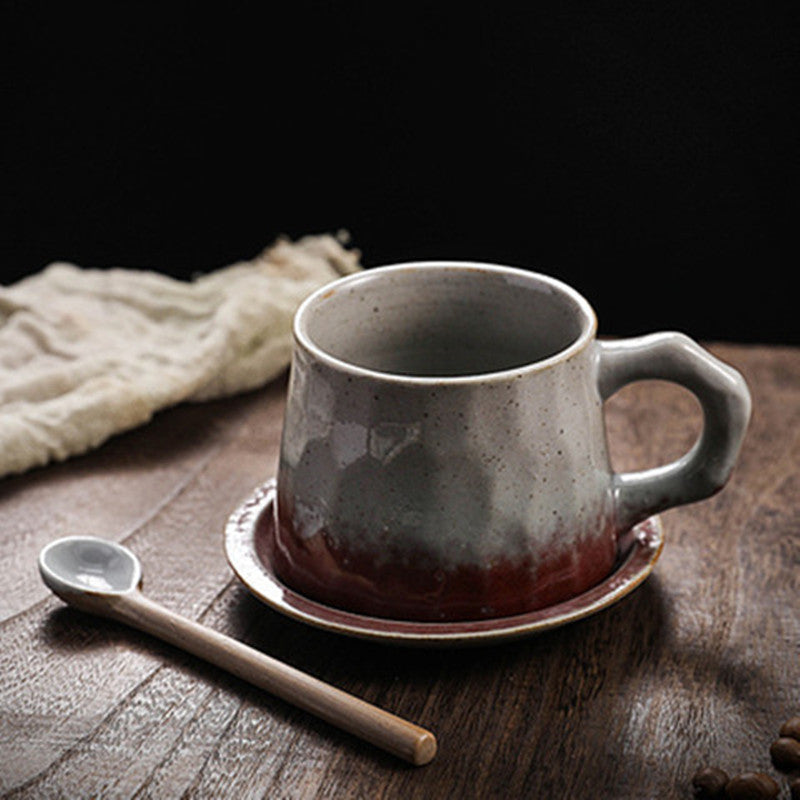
303	339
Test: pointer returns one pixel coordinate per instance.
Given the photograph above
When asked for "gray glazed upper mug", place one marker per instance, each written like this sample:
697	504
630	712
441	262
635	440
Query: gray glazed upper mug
444	451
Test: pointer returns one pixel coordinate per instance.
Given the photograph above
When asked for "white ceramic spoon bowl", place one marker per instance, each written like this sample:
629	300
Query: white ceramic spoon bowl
88	564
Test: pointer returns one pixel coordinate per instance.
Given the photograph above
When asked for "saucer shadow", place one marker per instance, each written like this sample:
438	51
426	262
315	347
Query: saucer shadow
573	690
638	617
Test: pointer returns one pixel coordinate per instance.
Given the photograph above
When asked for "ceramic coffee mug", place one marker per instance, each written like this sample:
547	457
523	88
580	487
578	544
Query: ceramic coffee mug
444	450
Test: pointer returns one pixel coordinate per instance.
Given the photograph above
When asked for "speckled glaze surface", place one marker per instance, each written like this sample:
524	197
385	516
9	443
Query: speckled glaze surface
444	454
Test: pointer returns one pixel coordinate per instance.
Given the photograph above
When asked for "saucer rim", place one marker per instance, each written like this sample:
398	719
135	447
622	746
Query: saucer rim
259	578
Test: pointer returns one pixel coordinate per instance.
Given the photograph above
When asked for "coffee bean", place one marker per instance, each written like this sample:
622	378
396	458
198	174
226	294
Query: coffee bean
794	788
709	783
791	728
785	753
751	786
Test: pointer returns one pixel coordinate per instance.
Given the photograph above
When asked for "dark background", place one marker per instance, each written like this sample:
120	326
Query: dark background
644	152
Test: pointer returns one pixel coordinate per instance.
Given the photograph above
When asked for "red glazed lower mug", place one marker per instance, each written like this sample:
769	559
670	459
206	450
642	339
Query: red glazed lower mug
444	452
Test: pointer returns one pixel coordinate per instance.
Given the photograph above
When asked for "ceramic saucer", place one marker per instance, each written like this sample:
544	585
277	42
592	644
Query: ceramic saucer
248	544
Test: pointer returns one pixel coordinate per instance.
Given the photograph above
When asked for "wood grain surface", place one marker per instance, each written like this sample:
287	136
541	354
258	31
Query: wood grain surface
700	665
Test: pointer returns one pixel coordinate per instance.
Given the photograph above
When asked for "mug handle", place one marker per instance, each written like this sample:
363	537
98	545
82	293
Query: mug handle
725	402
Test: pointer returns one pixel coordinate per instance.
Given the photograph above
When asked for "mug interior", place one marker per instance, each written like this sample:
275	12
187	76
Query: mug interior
440	319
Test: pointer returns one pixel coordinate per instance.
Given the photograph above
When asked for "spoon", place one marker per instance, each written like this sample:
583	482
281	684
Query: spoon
103	578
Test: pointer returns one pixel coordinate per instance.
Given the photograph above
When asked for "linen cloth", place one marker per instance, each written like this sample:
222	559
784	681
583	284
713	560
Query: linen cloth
88	353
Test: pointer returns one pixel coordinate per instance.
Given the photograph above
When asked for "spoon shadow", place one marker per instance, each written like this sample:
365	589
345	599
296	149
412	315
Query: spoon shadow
67	632
566	679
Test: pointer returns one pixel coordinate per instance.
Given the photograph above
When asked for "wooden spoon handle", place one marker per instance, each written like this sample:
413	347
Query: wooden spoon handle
385	730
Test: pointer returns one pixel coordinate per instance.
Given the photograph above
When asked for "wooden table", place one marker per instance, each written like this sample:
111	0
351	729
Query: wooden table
699	665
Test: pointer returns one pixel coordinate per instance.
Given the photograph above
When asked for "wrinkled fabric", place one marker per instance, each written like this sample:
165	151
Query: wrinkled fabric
88	353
